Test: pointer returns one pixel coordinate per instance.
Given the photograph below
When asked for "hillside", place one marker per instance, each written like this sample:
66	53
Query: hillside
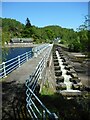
75	41
10	28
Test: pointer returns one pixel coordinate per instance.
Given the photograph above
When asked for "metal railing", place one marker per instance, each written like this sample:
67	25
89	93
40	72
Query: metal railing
10	65
36	112
39	49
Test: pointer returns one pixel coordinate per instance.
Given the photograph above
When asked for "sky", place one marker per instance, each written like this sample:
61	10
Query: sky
40	14
45	0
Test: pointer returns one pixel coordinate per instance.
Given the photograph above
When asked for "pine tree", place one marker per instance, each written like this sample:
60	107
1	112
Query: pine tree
28	24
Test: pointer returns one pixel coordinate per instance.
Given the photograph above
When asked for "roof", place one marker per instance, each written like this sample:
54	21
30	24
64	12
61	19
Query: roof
21	40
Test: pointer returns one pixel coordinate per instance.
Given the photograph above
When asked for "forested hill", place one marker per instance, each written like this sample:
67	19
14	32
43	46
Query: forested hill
76	41
10	28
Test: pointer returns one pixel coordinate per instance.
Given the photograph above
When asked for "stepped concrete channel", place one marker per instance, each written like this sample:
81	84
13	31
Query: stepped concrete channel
68	80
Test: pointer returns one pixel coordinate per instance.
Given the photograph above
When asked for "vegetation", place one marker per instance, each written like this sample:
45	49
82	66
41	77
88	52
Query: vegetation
10	28
74	108
46	89
75	40
67	109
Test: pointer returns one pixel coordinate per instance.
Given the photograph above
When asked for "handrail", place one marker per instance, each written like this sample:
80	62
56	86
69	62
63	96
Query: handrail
10	65
31	84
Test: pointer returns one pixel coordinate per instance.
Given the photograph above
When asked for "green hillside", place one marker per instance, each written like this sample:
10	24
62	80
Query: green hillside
76	41
10	28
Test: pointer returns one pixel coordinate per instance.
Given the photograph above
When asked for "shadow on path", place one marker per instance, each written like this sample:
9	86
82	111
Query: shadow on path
13	101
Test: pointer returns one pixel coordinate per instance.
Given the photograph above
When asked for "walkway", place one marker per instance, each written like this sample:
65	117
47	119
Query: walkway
13	86
24	71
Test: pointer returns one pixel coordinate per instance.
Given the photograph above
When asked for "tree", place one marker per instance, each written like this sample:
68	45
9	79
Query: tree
10	28
83	33
28	24
28	30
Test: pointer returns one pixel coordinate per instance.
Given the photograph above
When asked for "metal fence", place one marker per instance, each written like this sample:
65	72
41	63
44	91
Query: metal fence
40	111
10	65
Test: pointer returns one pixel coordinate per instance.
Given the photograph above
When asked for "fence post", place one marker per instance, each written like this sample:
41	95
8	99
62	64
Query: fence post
35	52
4	69
40	72
19	61
44	115
26	56
31	54
44	61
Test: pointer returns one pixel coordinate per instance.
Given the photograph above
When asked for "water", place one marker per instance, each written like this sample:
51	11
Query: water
9	53
66	77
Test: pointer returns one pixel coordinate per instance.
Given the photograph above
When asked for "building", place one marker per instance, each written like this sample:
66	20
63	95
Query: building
21	40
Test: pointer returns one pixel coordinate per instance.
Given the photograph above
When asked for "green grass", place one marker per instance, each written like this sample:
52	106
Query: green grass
47	90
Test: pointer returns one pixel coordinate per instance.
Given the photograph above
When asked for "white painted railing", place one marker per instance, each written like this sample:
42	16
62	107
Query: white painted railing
39	49
10	65
31	83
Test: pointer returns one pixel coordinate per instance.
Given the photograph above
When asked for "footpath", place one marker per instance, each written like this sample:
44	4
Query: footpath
13	87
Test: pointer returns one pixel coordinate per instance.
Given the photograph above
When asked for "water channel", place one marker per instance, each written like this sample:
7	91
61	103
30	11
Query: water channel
66	77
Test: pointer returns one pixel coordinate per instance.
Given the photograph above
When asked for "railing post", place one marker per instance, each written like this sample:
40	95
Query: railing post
40	72
44	115
19	61
4	69
31	54
26	56
35	52
44	62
